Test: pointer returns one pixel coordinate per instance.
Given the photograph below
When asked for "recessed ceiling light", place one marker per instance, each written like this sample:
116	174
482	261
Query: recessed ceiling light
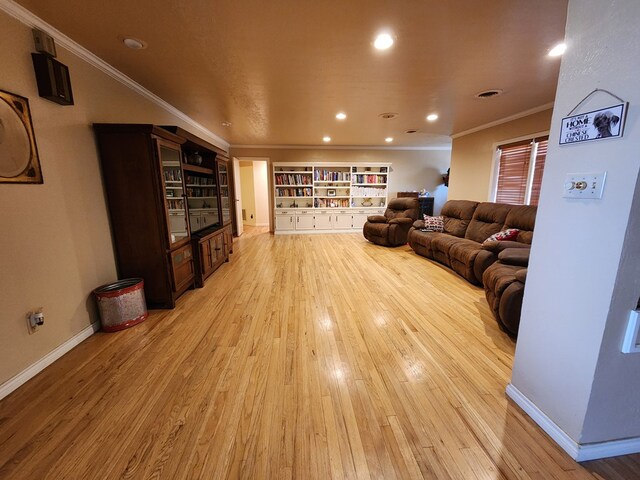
432	117
383	41
558	50
326	139
134	43
388	139
341	115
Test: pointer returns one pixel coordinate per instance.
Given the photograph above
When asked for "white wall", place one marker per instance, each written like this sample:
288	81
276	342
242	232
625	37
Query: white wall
248	193
577	297
261	192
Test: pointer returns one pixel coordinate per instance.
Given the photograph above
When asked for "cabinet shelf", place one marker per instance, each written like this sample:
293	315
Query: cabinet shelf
197	169
369	184
332	196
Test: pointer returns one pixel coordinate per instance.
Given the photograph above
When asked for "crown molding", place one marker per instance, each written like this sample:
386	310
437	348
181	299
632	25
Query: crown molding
511	118
29	19
343	147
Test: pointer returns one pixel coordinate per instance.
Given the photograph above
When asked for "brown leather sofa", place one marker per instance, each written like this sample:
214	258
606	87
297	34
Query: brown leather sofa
391	229
467	225
504	283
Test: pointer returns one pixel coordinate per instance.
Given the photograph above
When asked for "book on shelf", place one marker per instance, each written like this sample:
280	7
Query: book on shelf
293	179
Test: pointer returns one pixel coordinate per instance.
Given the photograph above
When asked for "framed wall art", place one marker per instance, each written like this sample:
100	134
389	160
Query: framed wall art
19	162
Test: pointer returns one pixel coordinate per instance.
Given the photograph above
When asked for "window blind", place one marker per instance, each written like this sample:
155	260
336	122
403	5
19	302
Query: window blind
513	171
515	177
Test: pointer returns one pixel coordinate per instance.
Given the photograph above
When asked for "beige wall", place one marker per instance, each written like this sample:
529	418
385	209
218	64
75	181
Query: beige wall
55	241
472	155
248	193
261	189
410	169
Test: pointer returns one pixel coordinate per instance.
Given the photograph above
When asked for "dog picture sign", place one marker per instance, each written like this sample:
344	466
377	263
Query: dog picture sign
596	125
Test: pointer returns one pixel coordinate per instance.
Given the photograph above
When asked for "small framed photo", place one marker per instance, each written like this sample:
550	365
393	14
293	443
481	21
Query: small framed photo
331	192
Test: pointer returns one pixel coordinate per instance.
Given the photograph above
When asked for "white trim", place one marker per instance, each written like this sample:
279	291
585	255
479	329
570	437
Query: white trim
579	452
510	118
29	19
340	147
21	378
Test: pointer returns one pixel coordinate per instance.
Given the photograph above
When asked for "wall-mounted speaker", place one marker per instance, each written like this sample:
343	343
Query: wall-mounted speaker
53	79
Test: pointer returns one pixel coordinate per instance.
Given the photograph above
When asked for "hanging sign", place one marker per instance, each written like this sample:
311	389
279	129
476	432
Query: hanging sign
597	125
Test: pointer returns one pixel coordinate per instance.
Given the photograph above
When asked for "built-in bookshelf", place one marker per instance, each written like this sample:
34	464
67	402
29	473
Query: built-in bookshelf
325	197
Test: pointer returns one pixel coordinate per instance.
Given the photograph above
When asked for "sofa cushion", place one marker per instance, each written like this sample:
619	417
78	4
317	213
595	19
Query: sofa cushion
457	215
462	257
522	217
440	246
488	219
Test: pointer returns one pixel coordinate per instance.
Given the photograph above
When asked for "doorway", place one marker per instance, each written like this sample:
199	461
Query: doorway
252	197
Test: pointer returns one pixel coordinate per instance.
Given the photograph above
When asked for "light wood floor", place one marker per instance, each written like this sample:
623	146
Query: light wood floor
305	357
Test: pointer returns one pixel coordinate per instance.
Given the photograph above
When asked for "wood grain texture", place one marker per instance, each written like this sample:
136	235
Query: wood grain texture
306	357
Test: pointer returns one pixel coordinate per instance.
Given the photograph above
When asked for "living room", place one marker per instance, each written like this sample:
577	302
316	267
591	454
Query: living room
567	364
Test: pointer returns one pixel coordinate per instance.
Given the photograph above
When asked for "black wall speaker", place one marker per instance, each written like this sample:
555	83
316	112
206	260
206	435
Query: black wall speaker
53	79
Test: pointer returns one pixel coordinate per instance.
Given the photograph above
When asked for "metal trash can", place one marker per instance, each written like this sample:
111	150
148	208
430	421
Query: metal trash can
121	304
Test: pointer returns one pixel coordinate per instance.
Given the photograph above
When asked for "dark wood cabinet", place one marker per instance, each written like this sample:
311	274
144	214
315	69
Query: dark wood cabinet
163	186
212	249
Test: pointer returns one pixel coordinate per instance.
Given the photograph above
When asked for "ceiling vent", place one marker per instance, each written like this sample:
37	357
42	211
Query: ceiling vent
489	93
388	115
411	130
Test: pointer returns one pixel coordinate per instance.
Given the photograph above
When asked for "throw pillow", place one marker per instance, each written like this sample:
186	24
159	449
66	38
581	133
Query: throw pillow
508	234
433	224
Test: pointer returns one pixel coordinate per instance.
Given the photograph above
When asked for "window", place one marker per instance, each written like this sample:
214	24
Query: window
520	167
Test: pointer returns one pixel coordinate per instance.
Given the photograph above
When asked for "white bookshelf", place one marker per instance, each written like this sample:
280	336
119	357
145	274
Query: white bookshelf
328	197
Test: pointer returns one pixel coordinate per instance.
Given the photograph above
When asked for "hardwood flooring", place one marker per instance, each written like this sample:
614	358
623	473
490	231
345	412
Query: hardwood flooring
305	357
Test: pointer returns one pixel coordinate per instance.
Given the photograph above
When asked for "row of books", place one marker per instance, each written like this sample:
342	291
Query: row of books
368	192
360	178
172	175
292	179
193	180
294	192
331	202
201	192
328	175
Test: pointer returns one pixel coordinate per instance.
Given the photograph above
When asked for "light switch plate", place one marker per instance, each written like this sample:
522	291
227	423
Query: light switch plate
584	185
631	342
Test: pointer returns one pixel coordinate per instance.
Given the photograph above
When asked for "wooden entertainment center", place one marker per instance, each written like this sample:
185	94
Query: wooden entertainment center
169	200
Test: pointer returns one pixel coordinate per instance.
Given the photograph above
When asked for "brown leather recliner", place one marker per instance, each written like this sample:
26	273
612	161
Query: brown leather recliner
391	230
504	283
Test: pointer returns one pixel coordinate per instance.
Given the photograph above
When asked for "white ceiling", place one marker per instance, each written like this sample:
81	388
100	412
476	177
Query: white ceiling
280	70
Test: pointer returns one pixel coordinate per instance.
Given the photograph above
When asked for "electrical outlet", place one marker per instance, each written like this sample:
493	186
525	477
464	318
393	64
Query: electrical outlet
584	185
35	319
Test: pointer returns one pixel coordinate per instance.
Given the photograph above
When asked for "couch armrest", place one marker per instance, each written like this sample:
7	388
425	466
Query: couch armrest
499	246
401	221
377	219
521	275
515	256
419	224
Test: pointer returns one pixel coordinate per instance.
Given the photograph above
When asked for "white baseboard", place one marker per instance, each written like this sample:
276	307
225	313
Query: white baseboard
21	378
579	452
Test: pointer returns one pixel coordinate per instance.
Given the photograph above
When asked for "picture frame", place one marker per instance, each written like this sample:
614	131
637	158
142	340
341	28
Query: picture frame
331	192
19	160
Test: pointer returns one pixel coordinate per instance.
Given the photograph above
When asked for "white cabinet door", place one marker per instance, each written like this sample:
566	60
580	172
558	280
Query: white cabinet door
323	221
343	221
285	222
359	220
304	222
208	219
